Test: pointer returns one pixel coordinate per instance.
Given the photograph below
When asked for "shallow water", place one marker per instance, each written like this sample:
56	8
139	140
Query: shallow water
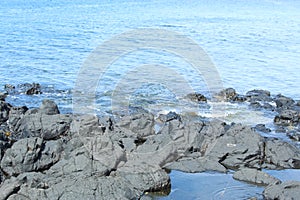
253	44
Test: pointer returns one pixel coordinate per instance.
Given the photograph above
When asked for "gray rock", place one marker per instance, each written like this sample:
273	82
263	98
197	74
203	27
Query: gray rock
285	191
34	89
44	126
87	126
239	146
145	177
259	95
283	101
197	97
142	124
255	176
262	128
9	187
4	111
3	96
30	154
287	118
196	165
49	107
227	94
15	114
282	154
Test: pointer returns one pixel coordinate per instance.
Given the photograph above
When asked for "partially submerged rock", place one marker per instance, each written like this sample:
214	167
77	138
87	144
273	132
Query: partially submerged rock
255	176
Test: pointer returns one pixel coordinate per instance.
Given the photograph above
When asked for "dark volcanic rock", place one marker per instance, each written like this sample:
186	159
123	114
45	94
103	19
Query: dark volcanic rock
255	176
142	123
30	154
196	165
168	117
239	146
262	128
285	191
44	126
34	89
259	95
281	154
2	96
15	114
283	101
197	97
227	94
4	111
287	117
49	107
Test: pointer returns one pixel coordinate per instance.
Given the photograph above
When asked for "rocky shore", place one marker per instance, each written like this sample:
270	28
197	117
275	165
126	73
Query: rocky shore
48	155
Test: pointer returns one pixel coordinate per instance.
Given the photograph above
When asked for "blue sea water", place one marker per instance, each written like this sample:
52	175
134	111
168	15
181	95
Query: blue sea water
253	44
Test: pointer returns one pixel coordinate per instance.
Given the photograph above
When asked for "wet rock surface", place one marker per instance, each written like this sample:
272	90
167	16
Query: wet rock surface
91	157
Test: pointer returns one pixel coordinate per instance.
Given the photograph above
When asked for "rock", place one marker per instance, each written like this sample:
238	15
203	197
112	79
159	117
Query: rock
262	128
281	154
142	124
34	89
145	177
285	191
287	117
238	147
3	96
227	94
168	117
197	97
283	101
4	111
255	176
259	95
87	125
239	98
49	107
196	165
30	154
44	126
9	88
10	187
294	135
15	114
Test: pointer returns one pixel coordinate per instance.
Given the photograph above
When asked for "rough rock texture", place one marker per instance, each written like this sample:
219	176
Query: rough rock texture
281	154
4	111
285	191
43	151
287	117
30	154
255	176
197	97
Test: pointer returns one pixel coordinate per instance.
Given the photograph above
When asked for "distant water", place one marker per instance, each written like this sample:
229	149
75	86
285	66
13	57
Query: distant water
253	44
